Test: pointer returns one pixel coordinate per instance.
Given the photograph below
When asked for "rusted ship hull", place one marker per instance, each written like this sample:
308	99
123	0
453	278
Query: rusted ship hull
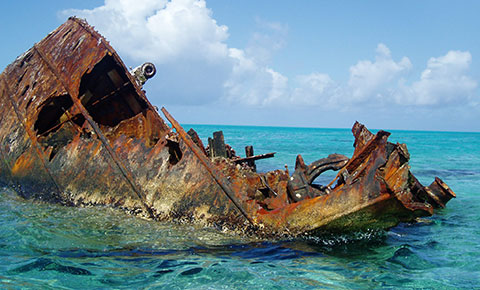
77	129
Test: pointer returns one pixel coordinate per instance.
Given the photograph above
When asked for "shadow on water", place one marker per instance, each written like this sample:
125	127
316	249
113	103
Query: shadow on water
204	262
108	249
47	246
352	245
44	264
302	262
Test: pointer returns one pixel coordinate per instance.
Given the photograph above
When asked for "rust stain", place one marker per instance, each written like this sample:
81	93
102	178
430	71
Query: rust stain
82	125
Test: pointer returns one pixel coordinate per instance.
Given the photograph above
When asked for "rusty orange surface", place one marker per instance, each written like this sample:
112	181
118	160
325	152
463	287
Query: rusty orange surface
77	129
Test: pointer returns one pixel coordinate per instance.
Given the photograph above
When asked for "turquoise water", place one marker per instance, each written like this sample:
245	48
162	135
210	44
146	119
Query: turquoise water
50	247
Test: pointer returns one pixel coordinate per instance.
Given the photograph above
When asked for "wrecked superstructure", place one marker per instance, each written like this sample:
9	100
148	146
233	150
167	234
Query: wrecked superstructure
77	129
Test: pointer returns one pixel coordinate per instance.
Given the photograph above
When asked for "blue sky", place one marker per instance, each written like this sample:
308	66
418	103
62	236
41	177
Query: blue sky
391	65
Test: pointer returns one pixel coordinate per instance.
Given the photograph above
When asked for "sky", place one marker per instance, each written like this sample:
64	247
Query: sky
411	65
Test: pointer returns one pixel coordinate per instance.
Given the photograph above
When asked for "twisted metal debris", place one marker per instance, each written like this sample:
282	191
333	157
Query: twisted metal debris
77	129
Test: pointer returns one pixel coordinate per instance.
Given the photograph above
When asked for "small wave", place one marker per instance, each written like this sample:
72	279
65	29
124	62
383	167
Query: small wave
408	259
192	271
452	173
327	239
44	264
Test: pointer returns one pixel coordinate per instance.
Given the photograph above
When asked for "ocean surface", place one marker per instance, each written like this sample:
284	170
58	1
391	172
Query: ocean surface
44	246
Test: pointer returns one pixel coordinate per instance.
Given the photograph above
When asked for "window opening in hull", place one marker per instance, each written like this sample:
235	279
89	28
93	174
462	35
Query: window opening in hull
108	95
52	114
55	127
174	151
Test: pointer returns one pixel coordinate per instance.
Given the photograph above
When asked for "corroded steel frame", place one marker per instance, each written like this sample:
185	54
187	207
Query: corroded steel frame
77	129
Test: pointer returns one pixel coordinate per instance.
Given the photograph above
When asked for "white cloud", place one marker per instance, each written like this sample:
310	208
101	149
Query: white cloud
194	63
316	89
382	82
196	66
160	30
444	81
373	80
253	84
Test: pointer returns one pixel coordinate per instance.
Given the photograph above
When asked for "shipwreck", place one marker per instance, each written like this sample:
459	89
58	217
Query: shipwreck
77	129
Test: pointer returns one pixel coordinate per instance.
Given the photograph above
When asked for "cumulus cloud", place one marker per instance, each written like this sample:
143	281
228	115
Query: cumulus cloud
444	81
372	80
253	84
161	30
316	89
195	65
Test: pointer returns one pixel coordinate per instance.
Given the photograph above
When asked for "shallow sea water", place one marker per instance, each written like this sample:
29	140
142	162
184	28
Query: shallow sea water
54	247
